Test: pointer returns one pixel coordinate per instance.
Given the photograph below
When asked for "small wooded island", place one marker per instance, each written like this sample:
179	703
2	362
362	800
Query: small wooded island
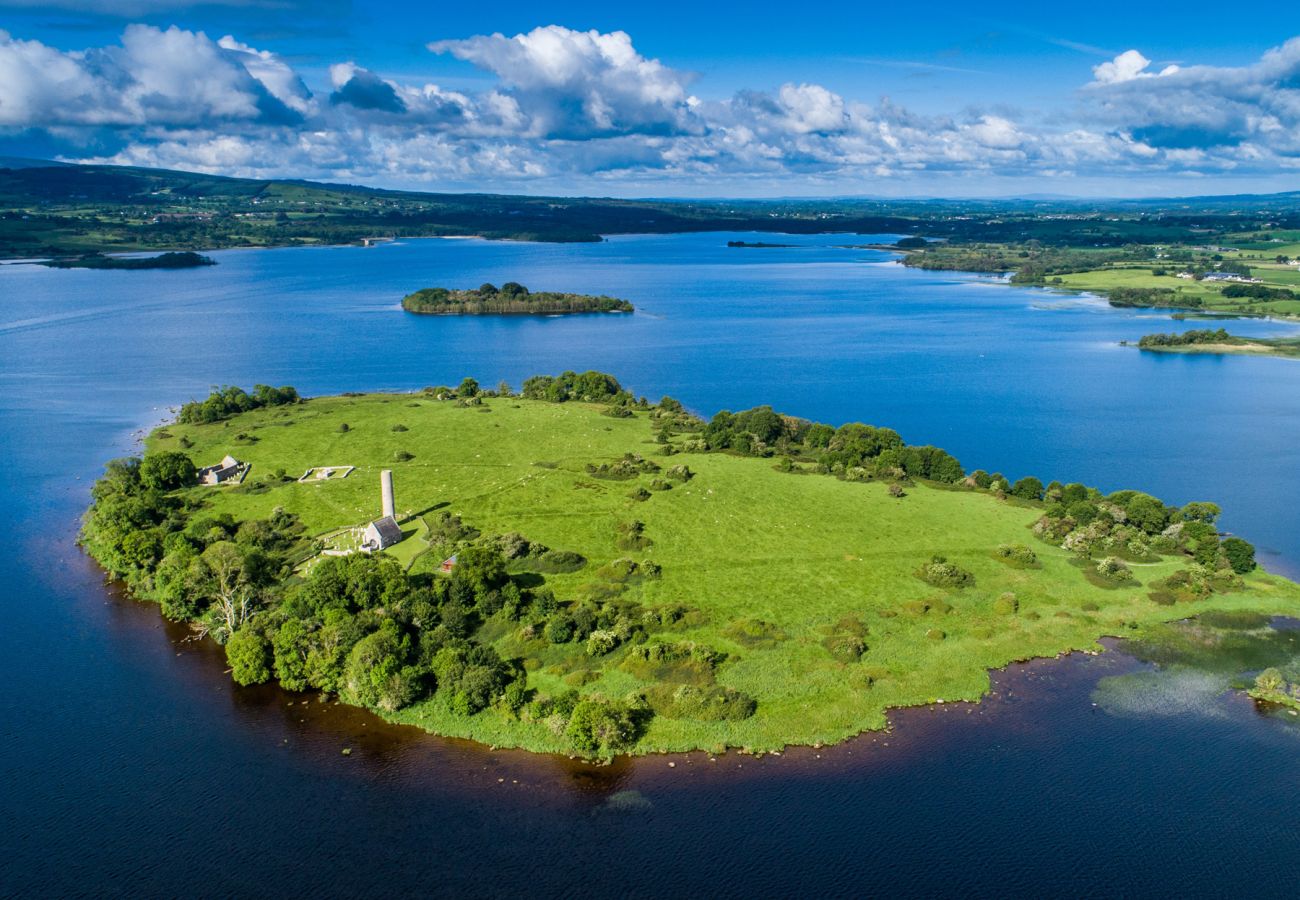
175	260
1219	341
511	299
571	569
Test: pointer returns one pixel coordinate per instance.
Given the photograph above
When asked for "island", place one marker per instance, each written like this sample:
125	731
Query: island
571	569
511	299
758	245
1219	341
174	260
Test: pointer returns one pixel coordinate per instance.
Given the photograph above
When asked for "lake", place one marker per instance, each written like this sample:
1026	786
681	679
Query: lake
132	764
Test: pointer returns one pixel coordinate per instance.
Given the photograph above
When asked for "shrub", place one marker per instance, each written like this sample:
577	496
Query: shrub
845	647
1016	555
707	703
559	629
1269	681
600	728
935	634
681	473
403	456
1029	488
754	633
941	573
343	428
640	495
1113	569
400	427
601	641
896	491
1240	554
631	536
1006	604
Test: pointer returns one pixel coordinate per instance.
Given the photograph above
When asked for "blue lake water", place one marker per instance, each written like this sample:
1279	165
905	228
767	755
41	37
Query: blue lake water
133	765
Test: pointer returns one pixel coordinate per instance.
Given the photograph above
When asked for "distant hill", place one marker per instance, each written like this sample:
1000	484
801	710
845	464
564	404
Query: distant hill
22	162
57	209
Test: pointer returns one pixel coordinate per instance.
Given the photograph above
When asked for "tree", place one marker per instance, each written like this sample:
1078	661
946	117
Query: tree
468	388
290	650
376	673
600	727
248	653
1028	488
1200	512
1240	553
167	470
228	586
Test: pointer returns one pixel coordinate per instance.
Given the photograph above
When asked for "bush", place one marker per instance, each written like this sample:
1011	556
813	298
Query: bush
846	648
754	633
941	573
601	641
1016	555
601	728
631	536
559	629
708	703
1113	569
1240	554
1006	604
1029	488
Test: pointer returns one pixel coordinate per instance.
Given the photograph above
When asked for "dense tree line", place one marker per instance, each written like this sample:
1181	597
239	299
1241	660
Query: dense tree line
1188	338
358	626
1237	291
228	401
1165	298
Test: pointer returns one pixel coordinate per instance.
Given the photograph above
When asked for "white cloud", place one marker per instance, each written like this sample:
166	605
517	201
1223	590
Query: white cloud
578	108
1128	65
582	83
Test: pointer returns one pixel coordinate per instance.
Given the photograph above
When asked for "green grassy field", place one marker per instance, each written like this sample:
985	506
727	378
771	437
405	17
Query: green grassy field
1104	280
809	554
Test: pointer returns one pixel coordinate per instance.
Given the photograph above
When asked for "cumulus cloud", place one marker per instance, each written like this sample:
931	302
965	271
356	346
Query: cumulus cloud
152	78
582	108
363	89
1253	109
578	84
1128	65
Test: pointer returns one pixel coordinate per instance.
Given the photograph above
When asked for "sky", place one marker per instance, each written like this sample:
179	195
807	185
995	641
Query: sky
667	99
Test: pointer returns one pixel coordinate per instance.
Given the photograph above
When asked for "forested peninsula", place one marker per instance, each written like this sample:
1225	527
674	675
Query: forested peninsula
176	260
511	299
569	568
1219	341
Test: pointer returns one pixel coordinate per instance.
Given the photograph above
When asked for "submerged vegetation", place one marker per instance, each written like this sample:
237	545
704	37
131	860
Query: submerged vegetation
587	572
509	299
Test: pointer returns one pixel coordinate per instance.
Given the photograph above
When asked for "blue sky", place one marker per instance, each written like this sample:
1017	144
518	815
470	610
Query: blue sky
668	98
